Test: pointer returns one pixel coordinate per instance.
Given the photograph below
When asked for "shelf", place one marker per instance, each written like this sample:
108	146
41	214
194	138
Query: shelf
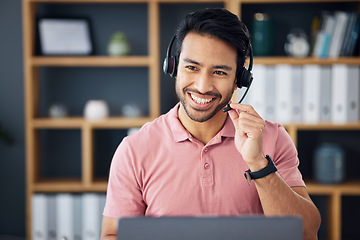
58	123
127	1
323	126
68	186
346	188
90	1
120	122
79	122
184	1
91	61
292	1
305	61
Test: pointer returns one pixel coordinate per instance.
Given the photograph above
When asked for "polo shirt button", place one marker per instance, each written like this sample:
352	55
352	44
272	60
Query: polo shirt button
206	166
206	149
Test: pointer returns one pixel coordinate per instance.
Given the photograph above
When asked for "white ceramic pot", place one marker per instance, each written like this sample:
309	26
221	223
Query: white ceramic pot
96	110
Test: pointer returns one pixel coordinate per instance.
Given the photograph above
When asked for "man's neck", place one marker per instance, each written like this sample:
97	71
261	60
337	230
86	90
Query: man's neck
202	131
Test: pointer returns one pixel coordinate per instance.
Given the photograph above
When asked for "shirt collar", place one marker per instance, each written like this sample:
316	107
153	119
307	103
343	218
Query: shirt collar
181	134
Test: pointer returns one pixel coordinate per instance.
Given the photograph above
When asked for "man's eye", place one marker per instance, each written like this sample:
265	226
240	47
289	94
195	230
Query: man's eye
193	68
220	73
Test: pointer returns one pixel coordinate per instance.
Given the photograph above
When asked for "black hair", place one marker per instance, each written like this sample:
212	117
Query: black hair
218	23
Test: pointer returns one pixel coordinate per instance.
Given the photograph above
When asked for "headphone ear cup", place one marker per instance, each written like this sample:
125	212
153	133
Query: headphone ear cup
244	78
166	66
173	66
169	66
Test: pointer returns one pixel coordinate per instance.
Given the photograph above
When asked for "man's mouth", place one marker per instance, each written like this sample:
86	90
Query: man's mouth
200	100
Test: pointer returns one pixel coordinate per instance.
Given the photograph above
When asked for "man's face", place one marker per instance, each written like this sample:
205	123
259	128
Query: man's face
206	76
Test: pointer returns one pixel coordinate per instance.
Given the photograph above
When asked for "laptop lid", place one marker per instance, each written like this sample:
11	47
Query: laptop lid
210	228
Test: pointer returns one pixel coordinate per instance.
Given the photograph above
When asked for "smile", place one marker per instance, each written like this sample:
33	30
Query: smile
201	100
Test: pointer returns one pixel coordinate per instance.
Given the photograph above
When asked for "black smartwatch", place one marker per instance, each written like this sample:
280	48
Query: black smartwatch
270	168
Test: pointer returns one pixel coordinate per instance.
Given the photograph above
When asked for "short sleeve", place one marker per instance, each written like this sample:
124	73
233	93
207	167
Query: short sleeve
124	196
286	159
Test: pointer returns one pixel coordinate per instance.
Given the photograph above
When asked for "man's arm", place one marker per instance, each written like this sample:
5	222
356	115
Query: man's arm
108	228
276	197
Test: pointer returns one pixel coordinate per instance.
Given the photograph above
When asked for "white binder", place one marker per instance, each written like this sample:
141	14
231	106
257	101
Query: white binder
325	94
311	93
39	217
270	96
297	94
283	104
51	214
77	216
345	93
91	216
64	216
258	90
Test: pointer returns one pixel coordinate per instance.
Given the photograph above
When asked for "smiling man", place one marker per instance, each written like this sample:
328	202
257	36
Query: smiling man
206	87
191	161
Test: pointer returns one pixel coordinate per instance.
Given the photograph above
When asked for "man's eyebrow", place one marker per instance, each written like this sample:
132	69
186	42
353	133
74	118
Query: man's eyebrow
189	60
225	67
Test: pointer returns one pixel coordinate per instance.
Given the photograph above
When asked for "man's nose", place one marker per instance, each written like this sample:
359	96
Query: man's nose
204	83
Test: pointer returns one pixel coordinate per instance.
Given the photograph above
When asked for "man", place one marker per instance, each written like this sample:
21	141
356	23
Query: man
190	161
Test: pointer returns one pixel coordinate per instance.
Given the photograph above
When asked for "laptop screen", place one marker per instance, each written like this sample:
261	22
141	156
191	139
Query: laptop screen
210	228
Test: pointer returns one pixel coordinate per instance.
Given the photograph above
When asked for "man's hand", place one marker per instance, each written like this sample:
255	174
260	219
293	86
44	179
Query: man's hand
249	134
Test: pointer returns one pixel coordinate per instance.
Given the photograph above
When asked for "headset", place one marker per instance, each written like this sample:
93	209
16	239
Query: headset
244	75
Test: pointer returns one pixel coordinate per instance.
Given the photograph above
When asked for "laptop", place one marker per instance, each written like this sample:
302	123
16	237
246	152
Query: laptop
210	228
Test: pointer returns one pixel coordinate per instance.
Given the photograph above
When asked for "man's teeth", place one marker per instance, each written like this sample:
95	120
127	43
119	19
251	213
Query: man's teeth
201	100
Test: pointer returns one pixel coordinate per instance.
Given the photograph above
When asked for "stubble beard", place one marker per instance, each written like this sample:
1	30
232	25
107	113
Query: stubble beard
202	118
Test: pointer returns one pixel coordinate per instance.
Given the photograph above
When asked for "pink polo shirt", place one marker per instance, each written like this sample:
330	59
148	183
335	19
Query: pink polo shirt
163	171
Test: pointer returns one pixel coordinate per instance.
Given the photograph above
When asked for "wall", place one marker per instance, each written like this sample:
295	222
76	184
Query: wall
12	158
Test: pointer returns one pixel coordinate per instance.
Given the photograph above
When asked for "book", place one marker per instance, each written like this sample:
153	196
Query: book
328	32
341	19
319	27
348	32
315	27
349	51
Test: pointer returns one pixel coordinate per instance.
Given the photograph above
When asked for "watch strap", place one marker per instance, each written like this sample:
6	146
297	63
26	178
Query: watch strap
270	168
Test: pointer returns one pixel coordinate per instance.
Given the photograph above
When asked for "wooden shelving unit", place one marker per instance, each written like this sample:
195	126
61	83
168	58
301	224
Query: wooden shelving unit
94	61
32	65
307	60
89	183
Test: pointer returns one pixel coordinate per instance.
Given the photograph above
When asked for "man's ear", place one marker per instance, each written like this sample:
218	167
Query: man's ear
235	85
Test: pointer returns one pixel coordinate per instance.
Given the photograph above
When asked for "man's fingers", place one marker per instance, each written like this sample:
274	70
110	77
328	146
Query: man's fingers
244	108
246	112
245	123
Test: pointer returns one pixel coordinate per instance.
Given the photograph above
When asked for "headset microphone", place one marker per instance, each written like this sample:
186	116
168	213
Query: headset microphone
244	76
